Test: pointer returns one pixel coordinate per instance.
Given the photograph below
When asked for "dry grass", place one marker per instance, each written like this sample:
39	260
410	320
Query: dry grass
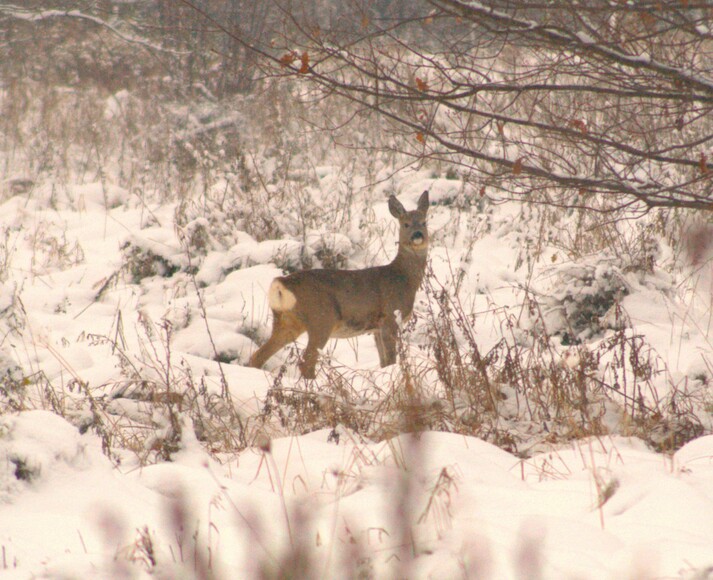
525	391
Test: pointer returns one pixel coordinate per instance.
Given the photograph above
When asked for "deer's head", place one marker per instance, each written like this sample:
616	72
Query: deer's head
413	233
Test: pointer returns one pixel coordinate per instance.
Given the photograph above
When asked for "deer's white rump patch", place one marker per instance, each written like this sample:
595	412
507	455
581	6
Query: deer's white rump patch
280	298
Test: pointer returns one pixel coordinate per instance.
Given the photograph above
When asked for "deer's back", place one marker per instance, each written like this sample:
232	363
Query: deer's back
360	299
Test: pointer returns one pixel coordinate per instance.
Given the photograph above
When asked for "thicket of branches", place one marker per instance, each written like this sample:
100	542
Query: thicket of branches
600	105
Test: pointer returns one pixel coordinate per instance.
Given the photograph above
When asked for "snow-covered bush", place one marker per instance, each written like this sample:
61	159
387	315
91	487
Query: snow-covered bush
141	262
583	299
13	384
330	249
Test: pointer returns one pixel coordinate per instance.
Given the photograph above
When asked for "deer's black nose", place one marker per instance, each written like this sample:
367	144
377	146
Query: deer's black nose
418	238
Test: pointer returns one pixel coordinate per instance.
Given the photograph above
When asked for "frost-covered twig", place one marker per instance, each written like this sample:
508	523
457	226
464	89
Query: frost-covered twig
38	15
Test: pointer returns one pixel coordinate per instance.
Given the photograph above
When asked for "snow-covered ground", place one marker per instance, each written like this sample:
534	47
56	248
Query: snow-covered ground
606	508
86	490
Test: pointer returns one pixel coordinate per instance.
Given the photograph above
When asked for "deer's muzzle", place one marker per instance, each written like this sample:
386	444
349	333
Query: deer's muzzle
418	238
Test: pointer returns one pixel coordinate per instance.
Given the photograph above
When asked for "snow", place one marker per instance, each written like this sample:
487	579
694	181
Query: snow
76	512
436	505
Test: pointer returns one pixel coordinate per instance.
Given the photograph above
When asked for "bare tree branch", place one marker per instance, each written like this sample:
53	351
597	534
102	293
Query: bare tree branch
607	102
39	15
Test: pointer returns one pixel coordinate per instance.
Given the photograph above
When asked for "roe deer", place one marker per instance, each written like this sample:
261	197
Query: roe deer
346	303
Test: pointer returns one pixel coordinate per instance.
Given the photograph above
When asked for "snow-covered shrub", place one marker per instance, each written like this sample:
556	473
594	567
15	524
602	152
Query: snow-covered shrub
288	255
197	237
582	300
332	250
13	384
158	252
142	263
36	444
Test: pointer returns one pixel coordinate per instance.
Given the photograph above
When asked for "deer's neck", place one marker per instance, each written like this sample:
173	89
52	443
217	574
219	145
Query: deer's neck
412	265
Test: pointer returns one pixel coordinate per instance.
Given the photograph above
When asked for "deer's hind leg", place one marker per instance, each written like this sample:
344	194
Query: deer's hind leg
318	332
286	328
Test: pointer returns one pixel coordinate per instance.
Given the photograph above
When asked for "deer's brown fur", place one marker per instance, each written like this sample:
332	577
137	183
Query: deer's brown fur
345	303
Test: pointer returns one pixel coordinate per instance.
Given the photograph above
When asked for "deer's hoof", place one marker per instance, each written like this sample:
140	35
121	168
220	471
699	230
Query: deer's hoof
306	372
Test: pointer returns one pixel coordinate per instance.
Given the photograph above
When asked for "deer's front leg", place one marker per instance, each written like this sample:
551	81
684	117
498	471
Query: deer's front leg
385	338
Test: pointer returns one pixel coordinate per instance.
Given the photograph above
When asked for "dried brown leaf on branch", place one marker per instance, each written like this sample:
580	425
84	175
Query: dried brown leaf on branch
304	69
287	59
517	166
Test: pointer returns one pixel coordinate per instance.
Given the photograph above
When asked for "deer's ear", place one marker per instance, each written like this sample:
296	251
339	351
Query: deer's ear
423	202
395	207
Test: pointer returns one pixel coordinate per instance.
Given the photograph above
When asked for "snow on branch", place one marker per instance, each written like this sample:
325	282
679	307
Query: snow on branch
580	40
38	15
